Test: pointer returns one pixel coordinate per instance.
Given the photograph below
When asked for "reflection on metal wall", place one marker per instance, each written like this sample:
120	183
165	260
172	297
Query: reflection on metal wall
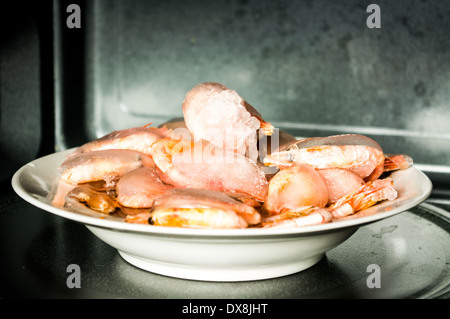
311	67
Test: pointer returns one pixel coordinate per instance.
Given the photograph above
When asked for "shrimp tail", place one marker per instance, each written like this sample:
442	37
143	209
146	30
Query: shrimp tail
397	161
266	128
364	197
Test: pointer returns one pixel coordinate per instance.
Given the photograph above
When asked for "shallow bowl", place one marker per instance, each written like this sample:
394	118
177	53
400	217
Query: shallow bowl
216	254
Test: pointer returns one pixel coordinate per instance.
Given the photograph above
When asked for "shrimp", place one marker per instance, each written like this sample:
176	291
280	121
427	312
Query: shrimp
394	162
59	192
98	201
300	217
339	182
137	139
357	153
244	198
199	208
105	165
139	218
295	187
214	113
139	188
301	196
186	164
364	197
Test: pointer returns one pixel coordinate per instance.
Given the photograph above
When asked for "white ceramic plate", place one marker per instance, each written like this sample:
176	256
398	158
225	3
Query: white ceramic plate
216	254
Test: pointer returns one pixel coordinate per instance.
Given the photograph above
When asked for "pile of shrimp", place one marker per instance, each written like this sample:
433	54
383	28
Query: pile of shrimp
224	166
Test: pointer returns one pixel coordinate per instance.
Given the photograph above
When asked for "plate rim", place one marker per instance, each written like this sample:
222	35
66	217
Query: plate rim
196	232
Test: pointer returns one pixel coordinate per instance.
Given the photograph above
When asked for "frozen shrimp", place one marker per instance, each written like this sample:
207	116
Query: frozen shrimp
105	165
139	188
214	113
198	208
137	139
202	165
364	197
365	159
295	187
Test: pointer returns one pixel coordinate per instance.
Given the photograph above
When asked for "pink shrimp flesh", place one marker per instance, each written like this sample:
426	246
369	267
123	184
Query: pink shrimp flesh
137	139
106	165
364	197
202	165
199	208
59	192
139	188
295	187
367	160
342	139
304	216
214	113
340	182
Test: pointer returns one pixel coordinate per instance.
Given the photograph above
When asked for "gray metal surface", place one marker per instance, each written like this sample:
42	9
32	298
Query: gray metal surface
310	67
411	249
